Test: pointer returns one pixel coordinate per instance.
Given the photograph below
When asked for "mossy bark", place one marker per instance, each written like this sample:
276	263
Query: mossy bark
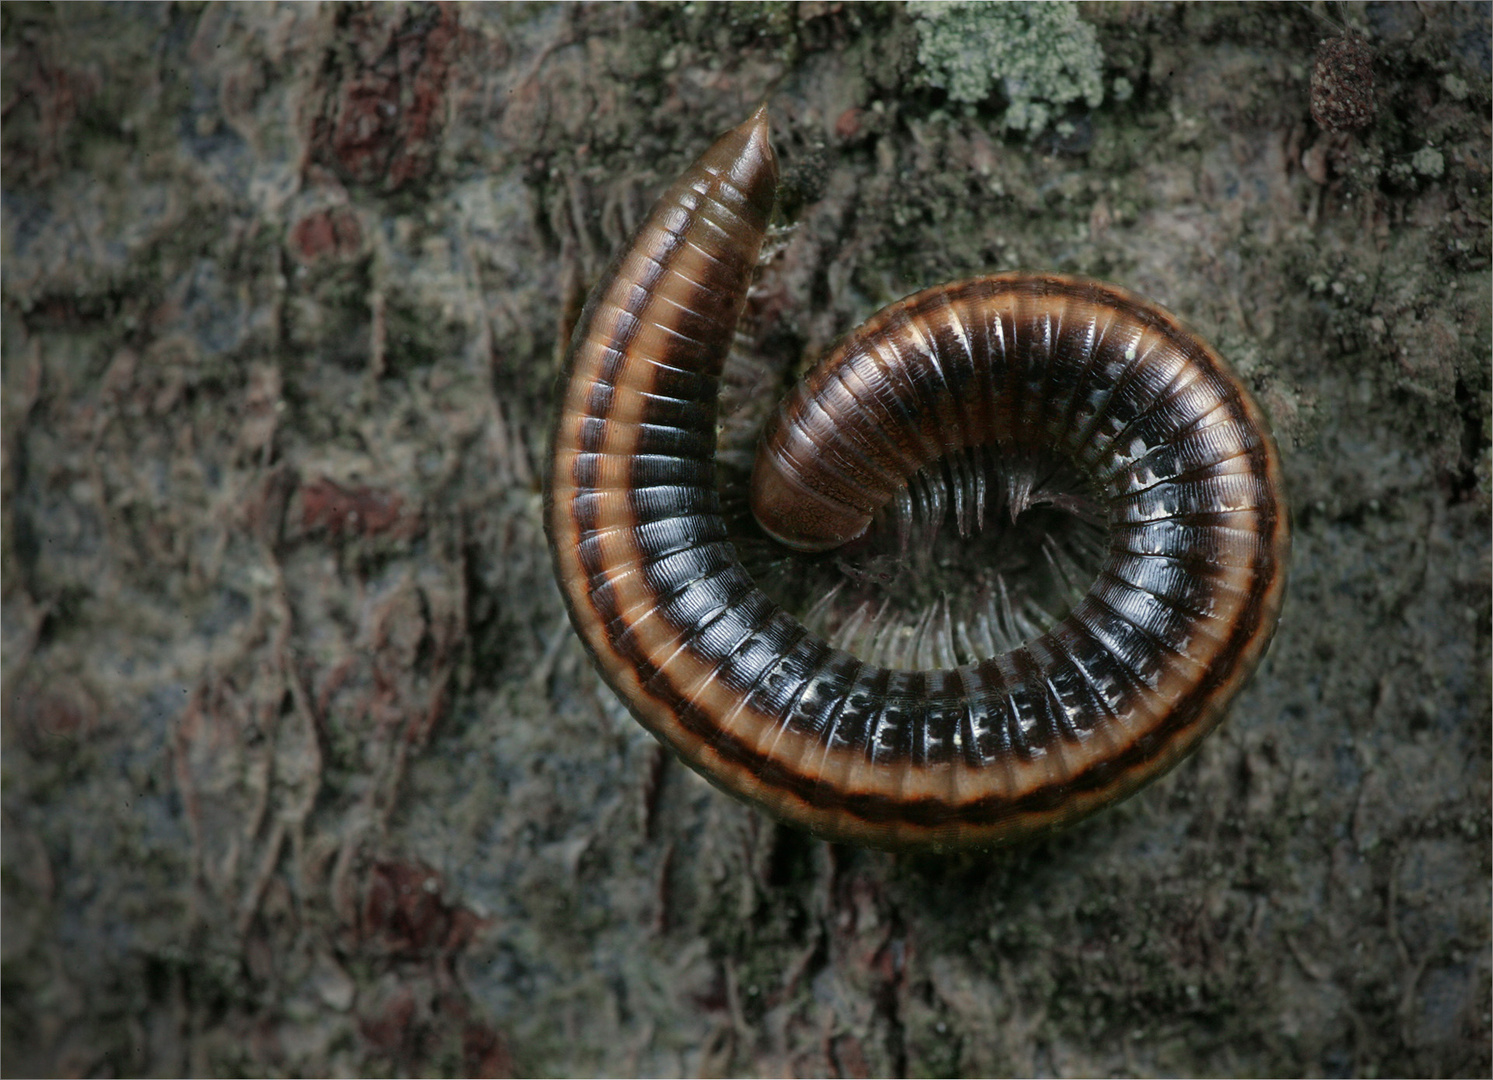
304	770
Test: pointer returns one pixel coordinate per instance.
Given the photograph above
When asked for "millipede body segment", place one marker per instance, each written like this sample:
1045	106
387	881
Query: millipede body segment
1036	367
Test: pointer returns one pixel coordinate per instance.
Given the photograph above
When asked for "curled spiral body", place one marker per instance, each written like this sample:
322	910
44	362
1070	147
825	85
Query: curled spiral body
1033	367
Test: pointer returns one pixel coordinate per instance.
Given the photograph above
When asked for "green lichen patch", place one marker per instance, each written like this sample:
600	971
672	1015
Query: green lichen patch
1041	56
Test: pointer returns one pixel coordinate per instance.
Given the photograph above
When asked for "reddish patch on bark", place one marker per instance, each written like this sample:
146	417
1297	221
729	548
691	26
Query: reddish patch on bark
364	511
848	126
381	122
387	1028
417	1021
53	716
484	1053
846	1057
1343	84
406	918
39	113
326	235
404	911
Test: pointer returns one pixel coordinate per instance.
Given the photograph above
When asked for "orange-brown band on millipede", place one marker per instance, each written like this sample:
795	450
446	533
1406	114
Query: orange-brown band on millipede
1116	693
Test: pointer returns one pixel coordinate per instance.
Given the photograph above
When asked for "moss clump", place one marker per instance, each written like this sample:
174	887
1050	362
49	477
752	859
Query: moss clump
1042	55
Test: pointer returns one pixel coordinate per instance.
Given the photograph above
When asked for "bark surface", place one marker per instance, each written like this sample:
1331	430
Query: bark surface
305	771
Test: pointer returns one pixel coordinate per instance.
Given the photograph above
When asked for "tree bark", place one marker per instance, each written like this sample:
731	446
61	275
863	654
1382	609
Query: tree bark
304	769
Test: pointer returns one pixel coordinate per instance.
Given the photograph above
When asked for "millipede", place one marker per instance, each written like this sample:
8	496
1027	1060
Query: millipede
1177	455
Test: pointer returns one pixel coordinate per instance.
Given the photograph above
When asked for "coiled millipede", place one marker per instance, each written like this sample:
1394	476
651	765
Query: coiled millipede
1124	685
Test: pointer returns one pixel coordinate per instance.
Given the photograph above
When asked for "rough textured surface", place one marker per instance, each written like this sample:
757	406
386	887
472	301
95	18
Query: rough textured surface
304	771
1042	56
1343	84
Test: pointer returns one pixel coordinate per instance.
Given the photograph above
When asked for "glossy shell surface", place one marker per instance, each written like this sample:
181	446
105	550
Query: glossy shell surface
1121	688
